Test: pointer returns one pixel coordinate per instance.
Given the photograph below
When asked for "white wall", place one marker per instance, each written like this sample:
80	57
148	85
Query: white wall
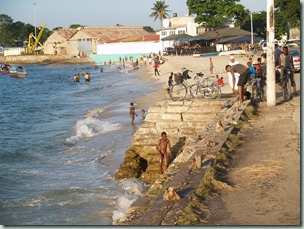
129	48
14	51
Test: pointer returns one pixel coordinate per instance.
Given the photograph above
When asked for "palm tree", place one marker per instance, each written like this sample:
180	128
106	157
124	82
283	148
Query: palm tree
160	11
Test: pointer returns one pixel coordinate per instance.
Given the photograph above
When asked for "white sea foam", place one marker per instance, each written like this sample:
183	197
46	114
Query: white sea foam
90	127
94	113
133	189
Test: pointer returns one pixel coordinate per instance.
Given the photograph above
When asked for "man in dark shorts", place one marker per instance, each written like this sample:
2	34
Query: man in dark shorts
244	72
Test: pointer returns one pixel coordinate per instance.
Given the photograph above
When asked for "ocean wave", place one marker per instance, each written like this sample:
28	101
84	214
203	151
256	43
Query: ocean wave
94	113
90	127
133	189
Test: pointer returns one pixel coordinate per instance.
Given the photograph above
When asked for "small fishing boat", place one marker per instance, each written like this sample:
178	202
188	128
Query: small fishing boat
18	72
5	69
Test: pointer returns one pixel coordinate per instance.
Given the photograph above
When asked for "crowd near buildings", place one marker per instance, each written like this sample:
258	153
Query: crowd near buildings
178	36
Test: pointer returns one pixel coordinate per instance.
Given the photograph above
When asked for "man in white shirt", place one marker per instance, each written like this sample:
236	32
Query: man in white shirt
236	75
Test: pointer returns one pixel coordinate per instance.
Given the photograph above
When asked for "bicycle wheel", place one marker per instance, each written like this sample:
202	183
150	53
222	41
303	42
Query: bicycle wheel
194	90
216	92
209	82
263	93
213	92
178	92
287	89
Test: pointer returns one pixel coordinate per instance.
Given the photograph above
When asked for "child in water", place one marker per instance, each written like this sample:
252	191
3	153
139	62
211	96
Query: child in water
163	145
143	115
132	113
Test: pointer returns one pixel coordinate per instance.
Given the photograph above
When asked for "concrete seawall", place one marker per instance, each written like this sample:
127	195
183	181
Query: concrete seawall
181	120
201	126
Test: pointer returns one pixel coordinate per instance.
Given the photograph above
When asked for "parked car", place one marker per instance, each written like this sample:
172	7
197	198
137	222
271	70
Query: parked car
296	59
293	43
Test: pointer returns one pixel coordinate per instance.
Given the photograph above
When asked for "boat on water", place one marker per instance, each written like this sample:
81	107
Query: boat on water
18	72
5	69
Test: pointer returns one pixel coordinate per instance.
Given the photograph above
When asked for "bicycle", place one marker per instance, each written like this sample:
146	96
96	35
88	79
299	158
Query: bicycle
206	86
180	90
258	89
286	84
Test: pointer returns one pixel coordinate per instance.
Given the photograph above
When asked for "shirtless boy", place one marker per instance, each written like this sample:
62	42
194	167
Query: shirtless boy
132	112
162	146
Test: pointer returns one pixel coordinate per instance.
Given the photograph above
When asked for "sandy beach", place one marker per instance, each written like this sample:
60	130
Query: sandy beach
175	64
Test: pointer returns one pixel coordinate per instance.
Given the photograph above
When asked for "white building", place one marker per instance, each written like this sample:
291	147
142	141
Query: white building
179	25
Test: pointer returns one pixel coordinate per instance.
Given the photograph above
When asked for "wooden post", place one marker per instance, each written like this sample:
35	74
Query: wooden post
270	36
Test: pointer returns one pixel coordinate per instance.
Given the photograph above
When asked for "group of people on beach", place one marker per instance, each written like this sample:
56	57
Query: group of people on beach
239	75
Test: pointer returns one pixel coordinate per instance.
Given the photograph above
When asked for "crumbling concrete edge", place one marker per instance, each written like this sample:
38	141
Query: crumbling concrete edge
178	173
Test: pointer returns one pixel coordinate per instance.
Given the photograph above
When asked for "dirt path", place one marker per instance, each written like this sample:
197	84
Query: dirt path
265	172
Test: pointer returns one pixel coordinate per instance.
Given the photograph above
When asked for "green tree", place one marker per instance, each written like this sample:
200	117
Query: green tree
214	12
160	11
287	16
75	26
11	31
5	32
57	28
149	29
241	17
259	23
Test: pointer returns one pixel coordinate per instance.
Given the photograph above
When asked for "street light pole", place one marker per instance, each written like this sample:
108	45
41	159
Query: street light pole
35	18
251	30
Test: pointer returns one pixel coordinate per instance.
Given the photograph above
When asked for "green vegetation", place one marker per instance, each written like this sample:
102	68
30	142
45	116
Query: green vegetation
75	26
287	16
214	13
12	32
259	23
160	11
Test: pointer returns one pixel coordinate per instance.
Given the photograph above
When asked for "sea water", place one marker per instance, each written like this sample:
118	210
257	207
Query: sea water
61	143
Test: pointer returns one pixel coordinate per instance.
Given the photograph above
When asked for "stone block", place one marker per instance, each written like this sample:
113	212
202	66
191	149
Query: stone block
150	150
157	109
201	102
174	103
200	109
177	109
162	116
197	124
164	124
142	130
169	131
196	117
188	131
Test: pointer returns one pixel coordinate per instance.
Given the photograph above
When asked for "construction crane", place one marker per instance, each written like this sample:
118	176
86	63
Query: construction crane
34	41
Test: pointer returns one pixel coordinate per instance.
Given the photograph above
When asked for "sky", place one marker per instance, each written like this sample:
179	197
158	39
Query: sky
63	13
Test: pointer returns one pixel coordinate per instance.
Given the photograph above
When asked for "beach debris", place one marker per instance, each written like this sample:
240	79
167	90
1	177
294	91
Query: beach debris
209	143
219	126
228	104
171	194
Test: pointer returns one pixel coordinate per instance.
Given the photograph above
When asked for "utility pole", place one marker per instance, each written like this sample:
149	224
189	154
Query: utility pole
270	36
35	23
251	23
35	18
